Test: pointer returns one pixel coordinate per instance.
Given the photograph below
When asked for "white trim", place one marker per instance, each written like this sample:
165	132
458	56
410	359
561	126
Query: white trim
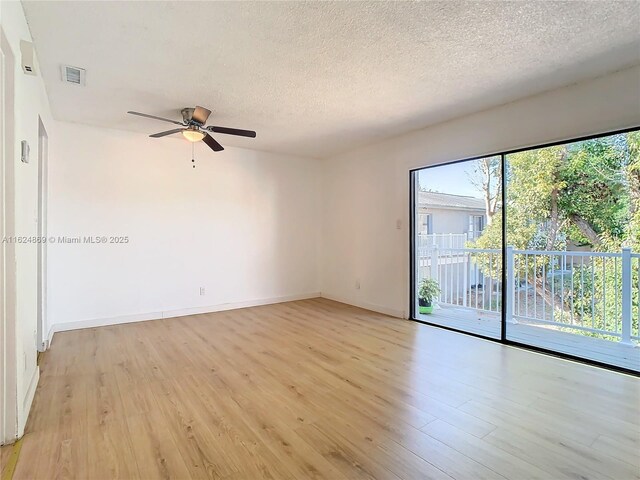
3	333
43	189
367	306
8	338
142	317
49	339
28	400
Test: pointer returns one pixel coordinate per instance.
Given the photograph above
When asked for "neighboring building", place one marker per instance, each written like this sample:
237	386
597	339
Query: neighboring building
445	223
443	214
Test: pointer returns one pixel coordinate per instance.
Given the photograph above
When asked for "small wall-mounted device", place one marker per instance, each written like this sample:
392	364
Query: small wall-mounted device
27	57
24	151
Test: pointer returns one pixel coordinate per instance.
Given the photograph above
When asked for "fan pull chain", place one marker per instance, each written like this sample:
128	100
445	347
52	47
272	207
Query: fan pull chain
193	160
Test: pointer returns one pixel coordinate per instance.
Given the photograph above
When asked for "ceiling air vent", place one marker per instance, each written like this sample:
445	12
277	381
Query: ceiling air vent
73	75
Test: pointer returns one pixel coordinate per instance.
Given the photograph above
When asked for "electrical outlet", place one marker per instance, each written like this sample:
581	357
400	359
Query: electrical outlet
201	291
358	284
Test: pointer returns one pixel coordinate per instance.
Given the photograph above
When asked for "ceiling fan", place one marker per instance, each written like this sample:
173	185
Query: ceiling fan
193	127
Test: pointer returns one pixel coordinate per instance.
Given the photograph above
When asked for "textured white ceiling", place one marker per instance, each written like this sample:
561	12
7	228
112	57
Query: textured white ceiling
318	78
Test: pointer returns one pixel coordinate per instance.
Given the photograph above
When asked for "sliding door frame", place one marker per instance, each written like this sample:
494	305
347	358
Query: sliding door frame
503	314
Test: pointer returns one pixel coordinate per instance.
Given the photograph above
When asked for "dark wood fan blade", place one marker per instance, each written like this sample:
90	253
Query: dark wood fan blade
213	145
156	118
200	115
168	132
233	131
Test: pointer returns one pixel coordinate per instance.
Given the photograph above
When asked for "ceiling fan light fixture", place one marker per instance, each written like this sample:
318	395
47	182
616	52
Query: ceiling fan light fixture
193	135
193	127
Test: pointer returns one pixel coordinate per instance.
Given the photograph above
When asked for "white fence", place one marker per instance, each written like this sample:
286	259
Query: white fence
441	240
595	293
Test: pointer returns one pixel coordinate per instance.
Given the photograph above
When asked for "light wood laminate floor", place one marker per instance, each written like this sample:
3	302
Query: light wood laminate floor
5	454
317	389
488	324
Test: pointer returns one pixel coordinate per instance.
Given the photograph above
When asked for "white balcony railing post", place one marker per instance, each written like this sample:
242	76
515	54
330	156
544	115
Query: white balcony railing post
434	264
510	286
626	297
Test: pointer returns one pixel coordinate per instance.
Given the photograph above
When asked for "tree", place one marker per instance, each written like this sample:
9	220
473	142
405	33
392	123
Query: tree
487	177
533	220
594	197
534	187
587	193
633	180
578	192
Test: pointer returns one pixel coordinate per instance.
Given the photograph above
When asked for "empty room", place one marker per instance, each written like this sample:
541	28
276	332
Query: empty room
387	240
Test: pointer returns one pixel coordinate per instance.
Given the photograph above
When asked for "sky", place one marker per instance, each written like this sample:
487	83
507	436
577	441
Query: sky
453	179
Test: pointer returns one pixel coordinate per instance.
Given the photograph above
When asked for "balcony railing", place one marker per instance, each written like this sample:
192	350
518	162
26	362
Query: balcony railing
442	240
591	293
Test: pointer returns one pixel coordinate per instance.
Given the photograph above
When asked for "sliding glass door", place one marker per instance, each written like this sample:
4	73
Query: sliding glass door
458	270
573	238
551	262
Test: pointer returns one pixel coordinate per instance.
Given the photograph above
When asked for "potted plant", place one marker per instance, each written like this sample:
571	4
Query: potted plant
429	290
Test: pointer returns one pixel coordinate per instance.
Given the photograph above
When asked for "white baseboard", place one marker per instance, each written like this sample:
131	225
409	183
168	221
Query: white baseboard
234	306
142	317
28	400
367	306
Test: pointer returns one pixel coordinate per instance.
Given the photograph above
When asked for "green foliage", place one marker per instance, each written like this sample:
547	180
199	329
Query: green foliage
594	187
589	179
489	263
532	177
595	290
587	193
633	180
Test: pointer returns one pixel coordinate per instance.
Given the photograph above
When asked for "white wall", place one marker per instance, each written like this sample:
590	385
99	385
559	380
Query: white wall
30	102
243	224
366	191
